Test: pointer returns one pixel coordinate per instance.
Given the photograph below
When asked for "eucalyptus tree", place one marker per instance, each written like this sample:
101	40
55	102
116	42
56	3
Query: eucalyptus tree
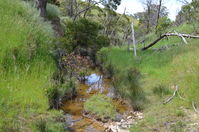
42	4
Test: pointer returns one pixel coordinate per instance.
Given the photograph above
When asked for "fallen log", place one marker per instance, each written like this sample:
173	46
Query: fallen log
167	35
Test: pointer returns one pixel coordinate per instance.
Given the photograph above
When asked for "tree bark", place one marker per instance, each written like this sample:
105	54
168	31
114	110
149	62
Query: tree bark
70	8
167	35
158	15
42	4
134	43
148	18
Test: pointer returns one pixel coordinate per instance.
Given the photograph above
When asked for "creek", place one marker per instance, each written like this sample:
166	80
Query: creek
95	83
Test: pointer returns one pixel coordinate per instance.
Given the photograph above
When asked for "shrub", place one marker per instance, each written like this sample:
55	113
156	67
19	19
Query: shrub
161	90
127	84
41	125
163	24
60	92
52	11
110	70
101	106
84	33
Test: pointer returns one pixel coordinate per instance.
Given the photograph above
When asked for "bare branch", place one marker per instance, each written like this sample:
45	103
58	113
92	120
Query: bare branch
167	35
194	107
89	7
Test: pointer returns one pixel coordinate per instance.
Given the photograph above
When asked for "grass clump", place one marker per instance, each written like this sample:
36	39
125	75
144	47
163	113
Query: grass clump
179	126
180	113
101	106
43	125
127	85
161	90
61	92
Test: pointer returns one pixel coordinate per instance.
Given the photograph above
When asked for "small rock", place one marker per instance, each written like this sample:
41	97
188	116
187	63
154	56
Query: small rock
129	117
118	118
122	121
91	129
69	129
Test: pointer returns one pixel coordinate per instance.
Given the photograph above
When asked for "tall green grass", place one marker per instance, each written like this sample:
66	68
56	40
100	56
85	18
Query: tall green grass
179	65
25	64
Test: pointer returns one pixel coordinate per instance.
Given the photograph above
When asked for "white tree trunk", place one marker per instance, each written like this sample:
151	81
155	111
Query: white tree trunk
134	43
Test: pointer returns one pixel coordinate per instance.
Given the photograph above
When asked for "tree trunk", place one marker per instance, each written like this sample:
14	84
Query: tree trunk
158	15
148	18
134	43
42	4
70	8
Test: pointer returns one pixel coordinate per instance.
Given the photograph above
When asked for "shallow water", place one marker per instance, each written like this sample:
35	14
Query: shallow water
94	84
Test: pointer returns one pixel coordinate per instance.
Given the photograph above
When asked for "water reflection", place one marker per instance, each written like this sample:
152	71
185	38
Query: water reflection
93	78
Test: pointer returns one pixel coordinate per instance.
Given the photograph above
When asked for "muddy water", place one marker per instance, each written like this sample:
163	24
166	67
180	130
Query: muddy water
95	84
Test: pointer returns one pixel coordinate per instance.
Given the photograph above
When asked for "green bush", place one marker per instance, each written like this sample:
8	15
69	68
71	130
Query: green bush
101	106
163	25
52	11
110	70
84	33
127	84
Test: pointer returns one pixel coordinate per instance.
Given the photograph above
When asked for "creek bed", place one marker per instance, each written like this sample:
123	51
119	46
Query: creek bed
74	109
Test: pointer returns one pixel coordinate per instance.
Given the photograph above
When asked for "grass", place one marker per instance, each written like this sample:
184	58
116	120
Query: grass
26	65
178	65
101	106
161	90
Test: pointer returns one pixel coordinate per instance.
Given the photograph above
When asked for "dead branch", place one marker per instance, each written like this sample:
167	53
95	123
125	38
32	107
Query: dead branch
170	98
177	92
89	7
183	39
194	107
181	97
168	35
